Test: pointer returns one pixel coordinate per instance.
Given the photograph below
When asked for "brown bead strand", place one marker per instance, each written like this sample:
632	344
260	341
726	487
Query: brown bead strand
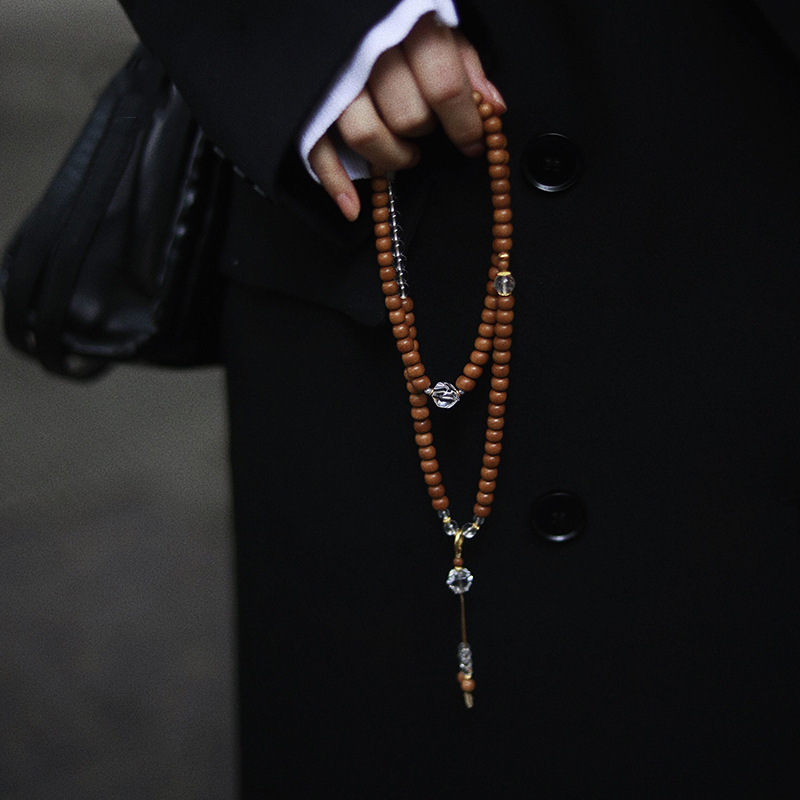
492	345
494	335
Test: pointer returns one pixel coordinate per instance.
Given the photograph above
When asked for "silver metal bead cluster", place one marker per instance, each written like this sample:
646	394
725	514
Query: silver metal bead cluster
399	258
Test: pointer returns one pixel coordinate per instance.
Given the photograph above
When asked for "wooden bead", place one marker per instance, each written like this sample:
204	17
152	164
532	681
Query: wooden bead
380	214
429	465
415	371
483	344
408	305
488	316
464	383
497	397
381	229
381	184
420	413
503	331
436	491
493	462
383	245
500	201
400	331
397	316
499	384
501	343
502	215
490	301
433	478
478	358
484	499
380	199
493	140
409	318
477	97
505	303
458	562
481	511
421	384
485	110
375	172
441	504
496	410
492	448
423	439
417	400
385	259
389	287
500	370
473	371
499	172
394	302
493	436
497	156
468	685
501	356
502	245
502	231
405	345
487	486
410	358
492	124
427	453
422	425
505	316
387	274
495	423
486	330
489	473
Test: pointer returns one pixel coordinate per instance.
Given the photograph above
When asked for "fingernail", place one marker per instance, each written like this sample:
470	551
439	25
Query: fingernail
496	96
348	205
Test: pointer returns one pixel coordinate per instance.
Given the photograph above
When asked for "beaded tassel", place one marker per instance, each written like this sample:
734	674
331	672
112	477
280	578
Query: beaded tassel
493	344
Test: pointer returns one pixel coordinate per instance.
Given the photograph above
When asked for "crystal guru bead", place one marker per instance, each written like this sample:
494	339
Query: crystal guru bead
445	395
459	580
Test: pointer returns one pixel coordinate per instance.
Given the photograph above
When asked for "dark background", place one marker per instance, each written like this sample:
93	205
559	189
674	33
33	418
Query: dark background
116	642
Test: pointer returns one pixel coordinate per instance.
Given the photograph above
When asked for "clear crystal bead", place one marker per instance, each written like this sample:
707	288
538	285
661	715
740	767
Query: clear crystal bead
451	527
445	395
459	580
465	658
504	284
469	530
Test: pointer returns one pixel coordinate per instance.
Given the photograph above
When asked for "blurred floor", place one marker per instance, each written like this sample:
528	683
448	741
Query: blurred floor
116	647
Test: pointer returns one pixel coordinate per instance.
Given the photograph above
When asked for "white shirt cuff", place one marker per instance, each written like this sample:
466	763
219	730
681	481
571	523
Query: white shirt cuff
352	77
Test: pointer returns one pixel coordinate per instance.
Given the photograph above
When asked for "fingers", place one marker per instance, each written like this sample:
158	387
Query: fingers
362	128
435	60
325	162
397	97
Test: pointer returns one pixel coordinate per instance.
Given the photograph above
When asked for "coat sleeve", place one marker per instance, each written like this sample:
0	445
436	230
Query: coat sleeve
252	70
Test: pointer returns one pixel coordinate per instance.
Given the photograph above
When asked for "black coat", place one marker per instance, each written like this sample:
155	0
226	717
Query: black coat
655	385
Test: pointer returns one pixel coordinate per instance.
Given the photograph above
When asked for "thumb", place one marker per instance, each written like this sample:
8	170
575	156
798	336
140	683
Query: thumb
477	77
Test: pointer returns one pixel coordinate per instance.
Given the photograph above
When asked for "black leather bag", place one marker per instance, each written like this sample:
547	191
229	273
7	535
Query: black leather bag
117	262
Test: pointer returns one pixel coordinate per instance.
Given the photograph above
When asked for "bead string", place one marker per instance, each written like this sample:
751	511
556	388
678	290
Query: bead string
493	344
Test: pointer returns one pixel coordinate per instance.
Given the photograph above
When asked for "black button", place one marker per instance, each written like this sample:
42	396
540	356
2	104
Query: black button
551	162
558	516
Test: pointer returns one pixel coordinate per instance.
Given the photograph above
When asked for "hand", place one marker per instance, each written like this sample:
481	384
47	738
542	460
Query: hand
426	80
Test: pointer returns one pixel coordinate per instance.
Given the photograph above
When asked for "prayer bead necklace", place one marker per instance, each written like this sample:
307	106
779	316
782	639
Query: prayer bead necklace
493	344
